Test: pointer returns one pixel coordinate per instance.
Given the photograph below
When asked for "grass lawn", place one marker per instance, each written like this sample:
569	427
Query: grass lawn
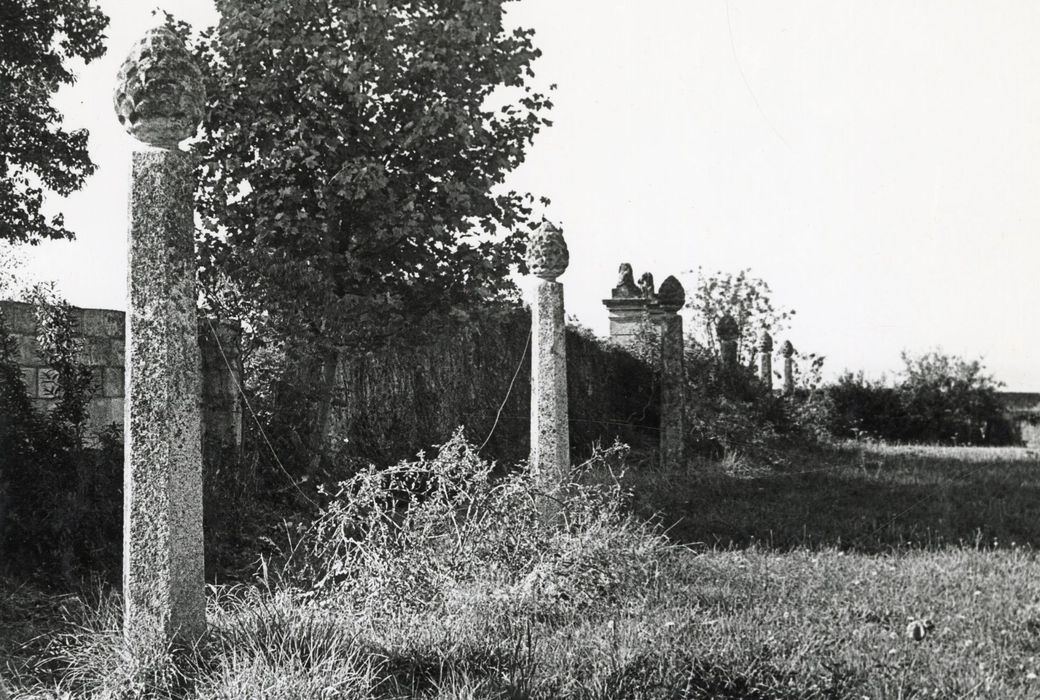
791	582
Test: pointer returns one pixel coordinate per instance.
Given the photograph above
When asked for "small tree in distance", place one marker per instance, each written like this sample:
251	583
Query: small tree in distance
746	298
949	399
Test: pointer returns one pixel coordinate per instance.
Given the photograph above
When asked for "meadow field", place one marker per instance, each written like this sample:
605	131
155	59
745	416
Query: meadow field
728	580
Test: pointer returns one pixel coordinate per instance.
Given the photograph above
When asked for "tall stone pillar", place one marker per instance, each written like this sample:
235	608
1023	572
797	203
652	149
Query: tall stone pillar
728	333
550	435
671	297
787	350
159	99
765	359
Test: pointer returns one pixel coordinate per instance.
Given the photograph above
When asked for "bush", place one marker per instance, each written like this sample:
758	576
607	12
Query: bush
60	490
730	411
423	533
859	407
941	399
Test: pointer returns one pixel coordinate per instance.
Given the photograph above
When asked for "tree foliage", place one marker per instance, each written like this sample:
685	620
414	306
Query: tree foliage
38	42
352	159
746	298
940	399
948	398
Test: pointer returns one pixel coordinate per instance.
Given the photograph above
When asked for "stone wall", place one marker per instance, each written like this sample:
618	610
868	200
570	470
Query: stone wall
1022	410
103	334
413	394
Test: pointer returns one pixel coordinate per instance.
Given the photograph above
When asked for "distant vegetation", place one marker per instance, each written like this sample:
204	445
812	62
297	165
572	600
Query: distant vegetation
939	399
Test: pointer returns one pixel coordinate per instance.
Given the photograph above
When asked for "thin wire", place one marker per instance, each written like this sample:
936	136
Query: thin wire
245	400
743	76
509	390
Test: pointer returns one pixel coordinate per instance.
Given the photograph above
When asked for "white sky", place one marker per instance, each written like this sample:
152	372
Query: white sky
878	163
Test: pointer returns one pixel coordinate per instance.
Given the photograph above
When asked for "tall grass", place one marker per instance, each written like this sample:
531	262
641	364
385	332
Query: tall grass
438	579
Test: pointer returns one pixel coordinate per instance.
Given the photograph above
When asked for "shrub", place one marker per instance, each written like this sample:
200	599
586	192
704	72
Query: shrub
60	500
941	399
729	410
420	534
859	407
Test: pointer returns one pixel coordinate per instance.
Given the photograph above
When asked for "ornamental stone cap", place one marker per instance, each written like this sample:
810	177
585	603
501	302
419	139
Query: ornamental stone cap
646	285
787	350
159	97
547	255
765	342
626	286
727	328
671	295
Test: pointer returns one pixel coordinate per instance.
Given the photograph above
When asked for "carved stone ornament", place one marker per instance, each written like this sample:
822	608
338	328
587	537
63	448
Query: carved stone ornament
626	285
625	278
159	96
727	328
765	342
547	255
787	350
646	285
671	295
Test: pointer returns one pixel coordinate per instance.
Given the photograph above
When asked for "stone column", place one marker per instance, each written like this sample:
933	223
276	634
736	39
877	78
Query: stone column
159	100
787	350
728	333
765	359
550	434
671	297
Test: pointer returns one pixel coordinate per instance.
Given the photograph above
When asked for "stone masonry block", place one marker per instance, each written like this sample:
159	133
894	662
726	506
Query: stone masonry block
112	382
102	323
28	351
103	412
96	351
29	377
47	383
19	318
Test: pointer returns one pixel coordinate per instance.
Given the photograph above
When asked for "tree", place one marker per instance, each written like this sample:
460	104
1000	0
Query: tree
352	158
747	299
949	399
38	40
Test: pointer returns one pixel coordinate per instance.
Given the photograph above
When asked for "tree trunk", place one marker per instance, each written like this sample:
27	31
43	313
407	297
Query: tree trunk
329	371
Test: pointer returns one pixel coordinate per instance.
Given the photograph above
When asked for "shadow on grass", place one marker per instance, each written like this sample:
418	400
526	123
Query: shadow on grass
859	500
665	676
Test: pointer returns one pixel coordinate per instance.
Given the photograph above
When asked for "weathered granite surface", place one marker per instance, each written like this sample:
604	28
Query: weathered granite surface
787	350
547	255
163	585
728	333
159	97
550	434
671	296
765	359
673	394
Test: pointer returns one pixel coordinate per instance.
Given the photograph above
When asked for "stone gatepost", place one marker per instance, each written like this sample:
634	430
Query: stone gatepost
628	307
787	350
547	258
159	99
765	359
671	297
728	333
